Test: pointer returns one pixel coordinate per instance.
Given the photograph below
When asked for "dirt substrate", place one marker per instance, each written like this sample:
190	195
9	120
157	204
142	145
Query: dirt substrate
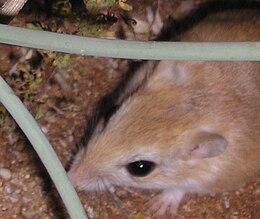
61	109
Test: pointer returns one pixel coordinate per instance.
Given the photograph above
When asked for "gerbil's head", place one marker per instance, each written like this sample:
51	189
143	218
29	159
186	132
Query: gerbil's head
155	140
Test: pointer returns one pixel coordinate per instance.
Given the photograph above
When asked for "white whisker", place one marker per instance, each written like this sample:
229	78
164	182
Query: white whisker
116	200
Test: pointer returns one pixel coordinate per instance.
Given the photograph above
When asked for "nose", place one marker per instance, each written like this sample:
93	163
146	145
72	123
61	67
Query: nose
73	177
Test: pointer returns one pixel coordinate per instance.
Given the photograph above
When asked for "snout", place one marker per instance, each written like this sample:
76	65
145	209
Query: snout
84	180
73	178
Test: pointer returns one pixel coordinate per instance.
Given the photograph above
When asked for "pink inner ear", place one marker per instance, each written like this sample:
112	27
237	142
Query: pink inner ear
209	148
204	145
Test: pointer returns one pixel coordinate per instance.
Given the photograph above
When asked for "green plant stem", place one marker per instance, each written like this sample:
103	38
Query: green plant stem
129	49
43	148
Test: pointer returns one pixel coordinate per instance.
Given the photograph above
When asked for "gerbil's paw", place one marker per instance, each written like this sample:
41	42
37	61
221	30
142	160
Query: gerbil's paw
166	202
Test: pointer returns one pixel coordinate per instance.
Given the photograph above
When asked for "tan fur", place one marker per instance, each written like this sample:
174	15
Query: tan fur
180	101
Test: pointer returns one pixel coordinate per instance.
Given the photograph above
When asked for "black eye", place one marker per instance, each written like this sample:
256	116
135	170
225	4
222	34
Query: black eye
140	168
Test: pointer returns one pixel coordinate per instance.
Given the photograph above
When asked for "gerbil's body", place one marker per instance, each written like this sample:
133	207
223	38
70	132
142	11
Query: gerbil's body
193	127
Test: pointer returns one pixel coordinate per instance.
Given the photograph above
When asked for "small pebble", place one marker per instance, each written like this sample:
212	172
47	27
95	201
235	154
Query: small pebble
11	188
27	176
226	202
71	139
5	173
44	129
18	155
212	194
6	206
90	211
63	143
14	200
12	139
235	213
28	214
113	63
112	189
237	193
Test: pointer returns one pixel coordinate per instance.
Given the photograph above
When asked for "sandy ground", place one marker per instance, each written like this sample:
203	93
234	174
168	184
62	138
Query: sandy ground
61	109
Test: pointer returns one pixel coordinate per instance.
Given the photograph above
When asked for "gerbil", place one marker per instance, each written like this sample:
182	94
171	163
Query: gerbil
192	127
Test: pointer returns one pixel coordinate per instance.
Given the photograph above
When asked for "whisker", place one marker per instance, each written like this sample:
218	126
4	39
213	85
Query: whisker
99	200
116	200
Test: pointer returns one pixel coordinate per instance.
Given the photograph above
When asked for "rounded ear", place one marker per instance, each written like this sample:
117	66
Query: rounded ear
203	145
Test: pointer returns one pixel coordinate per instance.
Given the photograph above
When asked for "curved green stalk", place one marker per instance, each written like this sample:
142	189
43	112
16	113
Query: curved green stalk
43	148
129	49
106	48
